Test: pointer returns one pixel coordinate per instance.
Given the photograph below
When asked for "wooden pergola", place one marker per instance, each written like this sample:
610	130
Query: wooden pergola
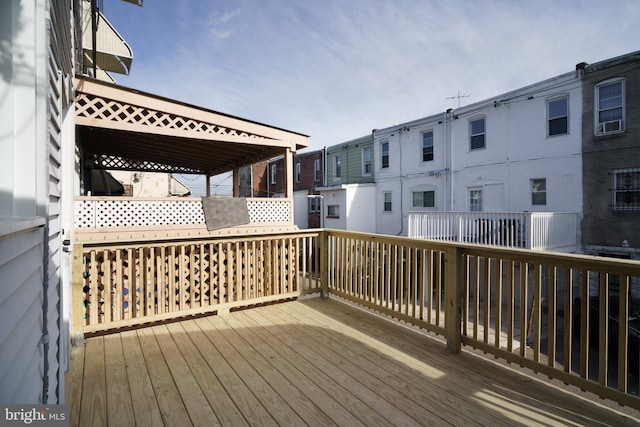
125	129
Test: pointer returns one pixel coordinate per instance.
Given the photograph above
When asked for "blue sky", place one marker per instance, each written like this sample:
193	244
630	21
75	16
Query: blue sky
336	69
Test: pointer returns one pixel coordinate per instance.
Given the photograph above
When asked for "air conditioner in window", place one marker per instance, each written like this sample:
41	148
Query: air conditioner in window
612	126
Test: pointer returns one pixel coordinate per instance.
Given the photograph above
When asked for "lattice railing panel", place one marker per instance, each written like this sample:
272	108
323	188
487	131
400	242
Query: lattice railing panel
94	107
119	212
128	282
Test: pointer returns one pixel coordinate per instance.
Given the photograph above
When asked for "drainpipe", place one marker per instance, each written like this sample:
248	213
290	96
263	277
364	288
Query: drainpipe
94	32
448	175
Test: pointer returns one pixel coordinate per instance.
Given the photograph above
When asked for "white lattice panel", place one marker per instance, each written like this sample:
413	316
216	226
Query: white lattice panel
102	213
133	213
274	210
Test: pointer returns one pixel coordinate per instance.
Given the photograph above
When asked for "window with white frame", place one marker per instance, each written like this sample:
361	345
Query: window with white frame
387	201
558	116
298	172
337	166
333	211
367	166
609	101
427	146
626	189
384	154
475	199
477	134
424	199
314	204
273	174
539	191
316	170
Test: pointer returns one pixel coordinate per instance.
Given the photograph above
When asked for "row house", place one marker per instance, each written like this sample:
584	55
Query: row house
350	189
518	152
611	157
308	177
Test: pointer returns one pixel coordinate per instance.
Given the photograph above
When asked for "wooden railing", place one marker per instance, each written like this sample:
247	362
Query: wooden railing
571	317
119	285
555	231
540	310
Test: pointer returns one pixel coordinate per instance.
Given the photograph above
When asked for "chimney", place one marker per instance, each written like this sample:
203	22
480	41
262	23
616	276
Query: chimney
580	69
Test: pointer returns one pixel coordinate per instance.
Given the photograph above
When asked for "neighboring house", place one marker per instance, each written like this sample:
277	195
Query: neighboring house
150	184
519	151
253	180
350	193
611	157
308	175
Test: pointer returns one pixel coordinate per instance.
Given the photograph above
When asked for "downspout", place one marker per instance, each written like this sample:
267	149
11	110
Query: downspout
94	32
405	129
448	176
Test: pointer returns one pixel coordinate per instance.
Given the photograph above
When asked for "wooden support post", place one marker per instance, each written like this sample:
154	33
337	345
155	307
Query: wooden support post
77	295
324	264
453	297
236	182
208	185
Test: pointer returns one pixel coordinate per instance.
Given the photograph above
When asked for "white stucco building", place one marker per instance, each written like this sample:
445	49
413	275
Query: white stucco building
516	152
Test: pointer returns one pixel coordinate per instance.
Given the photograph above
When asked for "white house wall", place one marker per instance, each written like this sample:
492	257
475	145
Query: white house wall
360	205
517	149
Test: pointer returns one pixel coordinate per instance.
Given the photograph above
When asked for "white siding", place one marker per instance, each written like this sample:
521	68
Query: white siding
21	355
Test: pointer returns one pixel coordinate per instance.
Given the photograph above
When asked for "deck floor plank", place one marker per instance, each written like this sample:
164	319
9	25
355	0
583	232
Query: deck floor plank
145	405
93	406
222	404
395	373
311	362
119	399
251	408
170	403
298	403
193	398
277	407
275	353
517	392
354	396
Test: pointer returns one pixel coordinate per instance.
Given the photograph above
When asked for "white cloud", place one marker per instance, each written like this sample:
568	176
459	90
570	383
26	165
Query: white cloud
337	69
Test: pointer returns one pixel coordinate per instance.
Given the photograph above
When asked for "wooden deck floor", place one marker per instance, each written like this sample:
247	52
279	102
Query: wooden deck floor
312	362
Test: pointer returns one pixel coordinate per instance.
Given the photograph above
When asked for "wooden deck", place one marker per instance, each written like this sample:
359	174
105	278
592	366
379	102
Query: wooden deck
310	362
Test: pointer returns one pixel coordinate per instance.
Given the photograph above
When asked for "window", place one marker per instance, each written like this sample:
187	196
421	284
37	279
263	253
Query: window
366	161
626	189
610	107
333	211
427	146
387	201
558	116
475	199
424	199
314	204
298	172
337	166
385	154
273	174
316	170
477	132
539	191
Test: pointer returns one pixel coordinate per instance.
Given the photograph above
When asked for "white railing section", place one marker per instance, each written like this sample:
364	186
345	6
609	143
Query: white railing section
530	230
100	212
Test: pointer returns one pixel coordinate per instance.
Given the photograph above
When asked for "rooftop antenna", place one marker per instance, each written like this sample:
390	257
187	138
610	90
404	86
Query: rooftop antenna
458	97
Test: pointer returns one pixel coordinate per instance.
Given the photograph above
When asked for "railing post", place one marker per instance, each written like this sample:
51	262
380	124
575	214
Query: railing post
453	297
324	264
77	297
